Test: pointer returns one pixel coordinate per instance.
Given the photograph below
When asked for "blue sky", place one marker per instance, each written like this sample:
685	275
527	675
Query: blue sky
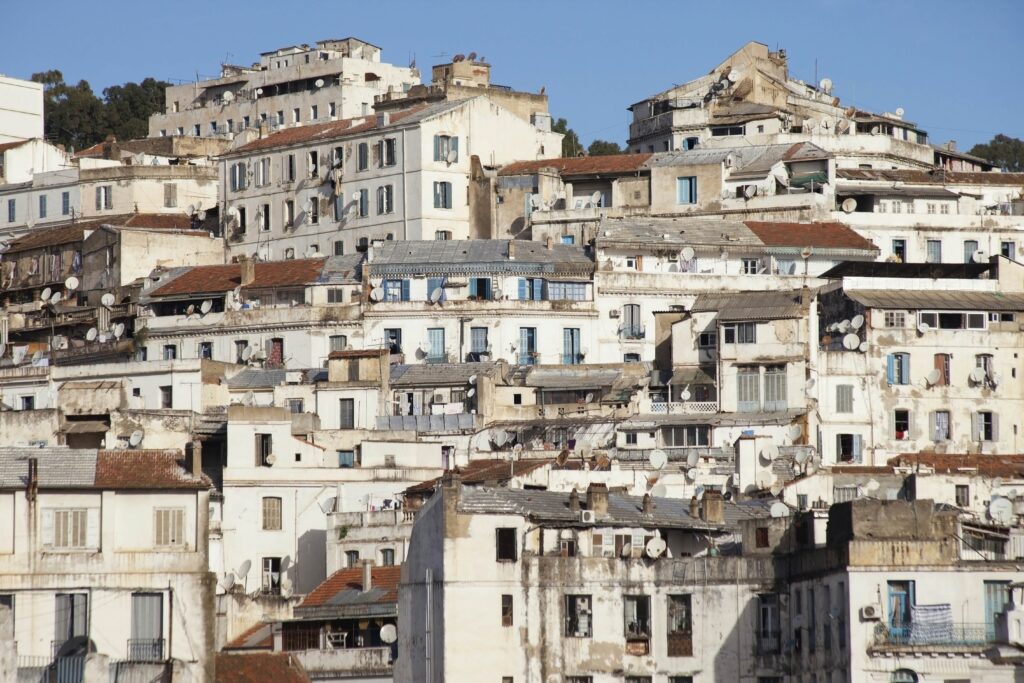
950	64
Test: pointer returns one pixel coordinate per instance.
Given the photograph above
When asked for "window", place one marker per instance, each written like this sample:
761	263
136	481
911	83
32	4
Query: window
347	413
242	223
264	449
338	342
363	156
631	327
289	213
934	251
296	115
313	164
314	110
42	206
903	676
680	626
899	249
339	248
213	127
296	406
346	458
984	361
844	398
579	679
631	438
941	361
396	290
506	610
197	130
71	528
985	426
166	398
775	388
478	340
898	368
104	198
364	203
505	542
446	148
970	248
387	557
436	342
761	537
264	217
578	616
168	527
769	625
638	679
963	495
7	600
314	214
386	199
1008	250
11	210
271	583
685	435
748	380
442	235
719	131
442	195
65	203
71	616
707	340
895	319
387	152
636	612
848	447
686	190
237	176
240	346
263	172
289	168
680	679
28	402
527	345
901	425
393	338
567	291
568	239
271	514
940	424
332	109
571	346
739	333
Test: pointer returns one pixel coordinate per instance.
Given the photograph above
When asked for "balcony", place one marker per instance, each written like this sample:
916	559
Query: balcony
769	642
146	650
633	333
937	636
684	408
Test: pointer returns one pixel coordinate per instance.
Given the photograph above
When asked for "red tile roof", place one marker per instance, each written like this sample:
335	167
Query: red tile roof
146	470
319	132
209	279
94	151
75	232
486	472
822	235
384	578
611	163
986	465
259	637
260	667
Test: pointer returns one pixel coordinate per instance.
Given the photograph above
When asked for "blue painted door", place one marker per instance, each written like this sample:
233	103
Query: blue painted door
901	598
997	594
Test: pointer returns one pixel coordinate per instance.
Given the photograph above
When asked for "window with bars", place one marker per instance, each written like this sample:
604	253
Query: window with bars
271	514
895	319
169	527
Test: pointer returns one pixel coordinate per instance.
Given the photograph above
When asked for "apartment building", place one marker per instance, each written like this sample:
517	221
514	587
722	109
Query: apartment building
295	85
21	111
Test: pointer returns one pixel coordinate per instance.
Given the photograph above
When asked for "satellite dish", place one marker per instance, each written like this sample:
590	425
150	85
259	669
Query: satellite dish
36	357
979	256
102	338
978	375
1001	510
770	452
806	252
810	384
802	457
472	379
589	398
436	295
233	213
271	459
286	588
687	253
45	296
899	111
875	130
452	157
471	393
259	91
659	491
107	300
190	209
851	342
55	299
118	330
376	294
500	438
933	377
136	438
685	394
228	96
247	353
863	347
388	633
692	459
849	205
825	85
778	510
71	284
91	334
595	197
249	398
923	327
658	459
191	309
206	307
857	322
655	547
319	82
243	569
227	581
750	191
327	504
795	431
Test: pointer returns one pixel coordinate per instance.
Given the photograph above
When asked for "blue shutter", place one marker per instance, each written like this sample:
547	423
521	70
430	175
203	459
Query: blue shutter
454	146
890	368
523	296
437	148
857	448
437	195
904	377
472	286
405	290
538	289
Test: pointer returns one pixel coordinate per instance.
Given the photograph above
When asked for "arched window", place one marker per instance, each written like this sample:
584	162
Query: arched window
903	676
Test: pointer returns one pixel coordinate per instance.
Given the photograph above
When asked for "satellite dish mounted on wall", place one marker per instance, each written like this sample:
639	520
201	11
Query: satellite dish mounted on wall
849	205
45	296
658	459
136	438
71	284
107	300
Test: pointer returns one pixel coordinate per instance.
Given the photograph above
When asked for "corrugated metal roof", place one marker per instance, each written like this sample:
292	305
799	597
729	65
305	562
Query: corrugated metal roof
938	299
737	306
939	176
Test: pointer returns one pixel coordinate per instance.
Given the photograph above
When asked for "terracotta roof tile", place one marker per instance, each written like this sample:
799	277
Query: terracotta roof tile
258	637
259	667
986	465
384	578
94	151
148	470
822	235
611	163
75	232
206	279
486	472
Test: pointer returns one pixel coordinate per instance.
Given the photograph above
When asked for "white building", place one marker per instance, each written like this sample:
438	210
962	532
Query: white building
106	552
21	109
295	85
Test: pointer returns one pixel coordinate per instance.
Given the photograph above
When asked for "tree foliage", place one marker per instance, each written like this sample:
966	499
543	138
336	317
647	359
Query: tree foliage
603	147
75	117
1003	151
571	145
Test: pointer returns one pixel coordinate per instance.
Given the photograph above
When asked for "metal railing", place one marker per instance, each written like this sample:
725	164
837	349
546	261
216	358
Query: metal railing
941	635
685	407
769	642
633	332
146	649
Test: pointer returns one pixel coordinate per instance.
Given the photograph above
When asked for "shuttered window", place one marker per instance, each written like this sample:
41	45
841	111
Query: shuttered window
775	388
169	527
347	416
71	528
844	398
748	390
271	514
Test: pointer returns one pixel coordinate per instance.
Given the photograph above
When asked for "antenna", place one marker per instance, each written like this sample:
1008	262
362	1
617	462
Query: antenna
849	205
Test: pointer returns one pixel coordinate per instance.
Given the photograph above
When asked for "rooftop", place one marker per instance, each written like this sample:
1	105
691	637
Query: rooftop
934	176
258	667
816	235
76	232
591	165
488	472
778	305
984	465
928	271
436	374
219	279
937	299
63	468
466	256
345	588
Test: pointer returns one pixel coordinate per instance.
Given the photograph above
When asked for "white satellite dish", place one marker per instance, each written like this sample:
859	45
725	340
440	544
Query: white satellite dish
36	357
271	459
825	85
692	459
899	111
871	485
376	294
863	347
228	96
849	205
136	438
500	438
979	256
118	330
327	505
247	353
233	213
91	334
795	431
388	633
102	338
1001	510
843	326
691	474
810	384
655	547
595	197
107	300
806	252
249	398
923	327
243	569
687	253
436	294
227	581
452	157
319	82
191	309
933	377
851	342
589	398
259	91
778	510
685	394
857	322
45	296
471	393
55	298
657	459
802	457
206	307
659	491
71	284
770	452
977	374
190	209
472	379
750	191
286	588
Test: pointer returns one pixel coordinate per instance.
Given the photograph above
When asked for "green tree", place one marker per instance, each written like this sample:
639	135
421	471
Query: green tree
129	106
571	145
602	147
73	115
1003	151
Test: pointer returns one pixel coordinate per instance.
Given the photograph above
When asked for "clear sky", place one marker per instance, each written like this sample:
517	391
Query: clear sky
953	65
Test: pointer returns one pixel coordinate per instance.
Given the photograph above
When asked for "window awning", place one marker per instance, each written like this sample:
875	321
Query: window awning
805	179
86	427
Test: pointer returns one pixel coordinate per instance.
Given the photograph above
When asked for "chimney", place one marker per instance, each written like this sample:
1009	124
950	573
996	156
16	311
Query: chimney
248	270
713	507
197	459
597	499
648	504
550	242
574	501
367	576
694	507
511	250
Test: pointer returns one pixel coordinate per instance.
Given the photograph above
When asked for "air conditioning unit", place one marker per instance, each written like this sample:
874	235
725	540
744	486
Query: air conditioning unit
871	612
587	516
614	313
439	398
